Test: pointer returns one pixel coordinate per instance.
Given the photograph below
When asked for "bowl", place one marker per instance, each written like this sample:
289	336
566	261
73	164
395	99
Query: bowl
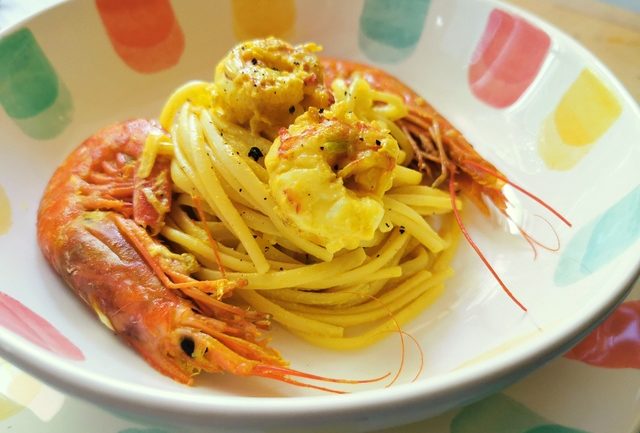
530	99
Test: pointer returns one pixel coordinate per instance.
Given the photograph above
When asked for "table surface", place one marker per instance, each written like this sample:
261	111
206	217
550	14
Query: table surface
565	396
612	34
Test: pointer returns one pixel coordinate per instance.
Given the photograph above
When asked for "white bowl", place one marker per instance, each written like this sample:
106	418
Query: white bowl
519	96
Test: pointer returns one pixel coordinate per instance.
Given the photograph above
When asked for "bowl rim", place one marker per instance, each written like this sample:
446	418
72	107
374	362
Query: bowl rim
263	411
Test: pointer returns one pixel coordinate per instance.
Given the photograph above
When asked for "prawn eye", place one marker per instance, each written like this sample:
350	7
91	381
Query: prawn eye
188	346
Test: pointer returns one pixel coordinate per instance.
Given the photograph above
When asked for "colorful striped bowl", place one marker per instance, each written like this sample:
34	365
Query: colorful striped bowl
530	99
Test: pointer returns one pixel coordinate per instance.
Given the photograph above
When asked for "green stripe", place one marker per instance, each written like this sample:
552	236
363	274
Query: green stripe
28	83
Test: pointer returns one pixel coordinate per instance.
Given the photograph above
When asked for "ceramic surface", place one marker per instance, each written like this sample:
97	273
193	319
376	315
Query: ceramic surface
531	100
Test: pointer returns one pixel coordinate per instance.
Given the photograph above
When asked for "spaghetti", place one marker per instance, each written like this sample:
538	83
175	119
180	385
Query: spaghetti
321	282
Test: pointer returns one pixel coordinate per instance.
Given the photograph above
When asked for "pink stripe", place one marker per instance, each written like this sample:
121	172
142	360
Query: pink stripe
507	59
16	317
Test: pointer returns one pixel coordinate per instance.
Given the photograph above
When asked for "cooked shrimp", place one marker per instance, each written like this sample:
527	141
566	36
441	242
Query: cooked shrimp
90	228
441	152
328	172
266	83
437	145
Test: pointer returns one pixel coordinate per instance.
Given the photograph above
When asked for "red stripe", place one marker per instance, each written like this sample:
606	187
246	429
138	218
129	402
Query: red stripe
615	343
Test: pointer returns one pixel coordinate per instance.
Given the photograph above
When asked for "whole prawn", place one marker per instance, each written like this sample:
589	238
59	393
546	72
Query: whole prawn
442	153
91	228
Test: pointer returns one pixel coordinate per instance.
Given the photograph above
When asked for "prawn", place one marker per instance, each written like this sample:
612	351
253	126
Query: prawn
264	84
328	172
95	226
442	153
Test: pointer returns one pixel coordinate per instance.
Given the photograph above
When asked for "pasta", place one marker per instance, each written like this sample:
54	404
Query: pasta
313	288
289	189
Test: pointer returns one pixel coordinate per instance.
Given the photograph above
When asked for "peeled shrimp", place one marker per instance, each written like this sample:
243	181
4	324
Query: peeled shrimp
265	84
328	172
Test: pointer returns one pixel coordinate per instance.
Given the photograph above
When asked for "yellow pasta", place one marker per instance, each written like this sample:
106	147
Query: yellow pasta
193	90
280	279
320	295
377	333
295	321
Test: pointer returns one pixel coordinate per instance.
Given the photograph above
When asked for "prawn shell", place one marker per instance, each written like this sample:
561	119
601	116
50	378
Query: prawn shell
61	202
89	252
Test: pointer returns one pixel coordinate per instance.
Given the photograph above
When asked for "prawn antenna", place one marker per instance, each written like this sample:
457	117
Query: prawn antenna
197	201
534	197
401	334
463	229
533	242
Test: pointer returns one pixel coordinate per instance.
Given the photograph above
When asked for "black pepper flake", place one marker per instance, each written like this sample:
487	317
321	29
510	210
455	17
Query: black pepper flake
321	147
240	190
264	198
378	142
255	153
292	109
361	139
336	167
386	224
321	110
254	61
281	268
402	229
255	236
